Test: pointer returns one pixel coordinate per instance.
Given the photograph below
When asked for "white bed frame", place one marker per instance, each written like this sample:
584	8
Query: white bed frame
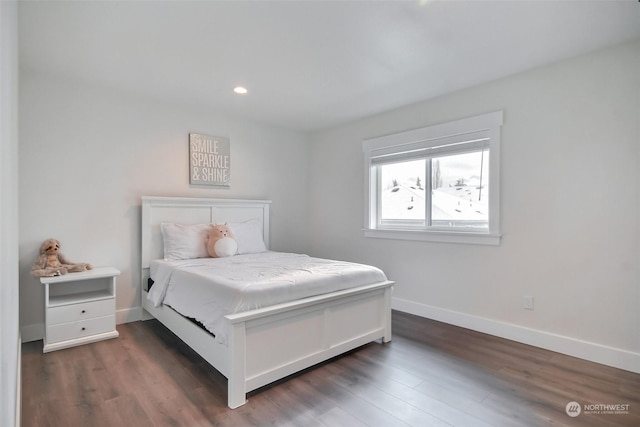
270	343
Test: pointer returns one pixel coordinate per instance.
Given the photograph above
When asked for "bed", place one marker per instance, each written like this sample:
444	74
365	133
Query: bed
261	345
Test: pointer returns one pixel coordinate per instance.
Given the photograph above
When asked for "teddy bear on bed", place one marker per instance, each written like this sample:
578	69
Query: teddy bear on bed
220	242
51	262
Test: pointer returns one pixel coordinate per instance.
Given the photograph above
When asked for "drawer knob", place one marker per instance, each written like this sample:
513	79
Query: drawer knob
84	311
83	328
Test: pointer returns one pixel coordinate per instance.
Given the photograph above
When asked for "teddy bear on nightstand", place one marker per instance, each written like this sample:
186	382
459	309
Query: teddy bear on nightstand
51	262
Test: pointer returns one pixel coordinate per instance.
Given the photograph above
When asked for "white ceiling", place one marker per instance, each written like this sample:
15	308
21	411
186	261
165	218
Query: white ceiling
310	65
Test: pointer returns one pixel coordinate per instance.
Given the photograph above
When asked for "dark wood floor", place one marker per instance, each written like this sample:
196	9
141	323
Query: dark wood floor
431	374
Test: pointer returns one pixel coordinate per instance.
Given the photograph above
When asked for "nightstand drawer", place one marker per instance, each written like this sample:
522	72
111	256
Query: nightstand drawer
82	328
76	312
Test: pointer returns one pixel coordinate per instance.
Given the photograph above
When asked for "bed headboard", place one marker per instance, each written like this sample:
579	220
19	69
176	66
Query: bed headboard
156	210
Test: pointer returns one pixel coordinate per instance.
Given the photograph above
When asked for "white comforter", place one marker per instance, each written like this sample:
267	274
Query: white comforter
207	289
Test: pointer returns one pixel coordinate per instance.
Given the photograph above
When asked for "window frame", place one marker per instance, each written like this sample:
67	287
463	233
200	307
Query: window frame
432	139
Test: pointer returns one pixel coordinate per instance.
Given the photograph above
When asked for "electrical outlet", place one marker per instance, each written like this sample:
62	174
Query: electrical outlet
527	302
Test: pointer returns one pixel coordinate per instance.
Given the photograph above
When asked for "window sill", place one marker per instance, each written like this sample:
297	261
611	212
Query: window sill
435	236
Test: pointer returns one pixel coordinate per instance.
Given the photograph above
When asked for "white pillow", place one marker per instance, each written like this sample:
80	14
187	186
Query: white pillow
248	236
184	241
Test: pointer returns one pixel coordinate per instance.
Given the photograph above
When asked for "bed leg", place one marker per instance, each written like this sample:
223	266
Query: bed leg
236	401
387	315
236	390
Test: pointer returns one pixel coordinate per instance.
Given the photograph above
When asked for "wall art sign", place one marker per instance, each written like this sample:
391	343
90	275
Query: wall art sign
209	160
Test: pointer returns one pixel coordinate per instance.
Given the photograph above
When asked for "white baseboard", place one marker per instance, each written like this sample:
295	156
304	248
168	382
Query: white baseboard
32	332
19	384
128	315
594	352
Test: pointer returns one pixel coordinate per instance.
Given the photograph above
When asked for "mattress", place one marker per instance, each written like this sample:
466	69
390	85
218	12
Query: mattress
207	289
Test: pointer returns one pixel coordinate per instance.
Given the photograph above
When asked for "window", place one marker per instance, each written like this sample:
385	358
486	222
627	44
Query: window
439	183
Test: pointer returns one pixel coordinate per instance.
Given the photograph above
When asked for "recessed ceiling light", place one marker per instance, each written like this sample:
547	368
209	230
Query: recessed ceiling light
240	90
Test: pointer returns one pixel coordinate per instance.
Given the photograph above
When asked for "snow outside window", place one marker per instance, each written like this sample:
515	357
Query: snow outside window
439	183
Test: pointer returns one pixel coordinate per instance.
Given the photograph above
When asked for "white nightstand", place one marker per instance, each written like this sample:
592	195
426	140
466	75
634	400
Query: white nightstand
79	308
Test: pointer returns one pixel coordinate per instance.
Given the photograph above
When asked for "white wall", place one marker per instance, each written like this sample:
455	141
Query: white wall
570	210
9	332
88	153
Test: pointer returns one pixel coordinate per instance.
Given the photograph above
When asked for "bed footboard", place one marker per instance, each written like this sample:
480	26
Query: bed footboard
269	344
